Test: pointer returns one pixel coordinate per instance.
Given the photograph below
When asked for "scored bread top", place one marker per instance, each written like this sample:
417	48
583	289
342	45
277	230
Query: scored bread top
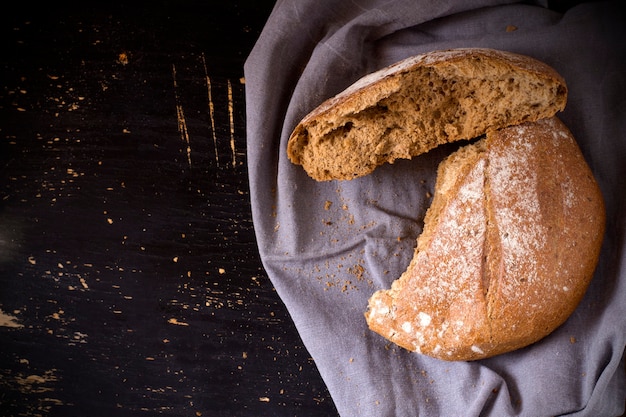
510	244
419	103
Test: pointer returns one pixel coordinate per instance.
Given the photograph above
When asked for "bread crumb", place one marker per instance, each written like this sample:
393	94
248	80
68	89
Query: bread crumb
327	205
572	340
123	58
176	322
511	28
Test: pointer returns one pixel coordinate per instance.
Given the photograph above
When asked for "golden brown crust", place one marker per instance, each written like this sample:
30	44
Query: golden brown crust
510	244
419	103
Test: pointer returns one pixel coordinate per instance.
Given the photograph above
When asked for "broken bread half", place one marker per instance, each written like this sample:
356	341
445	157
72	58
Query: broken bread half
509	246
419	103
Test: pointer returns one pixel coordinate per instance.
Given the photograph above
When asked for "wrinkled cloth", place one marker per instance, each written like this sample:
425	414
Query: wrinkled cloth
327	246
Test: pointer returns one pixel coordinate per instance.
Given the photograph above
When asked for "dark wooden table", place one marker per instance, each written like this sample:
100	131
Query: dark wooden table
130	281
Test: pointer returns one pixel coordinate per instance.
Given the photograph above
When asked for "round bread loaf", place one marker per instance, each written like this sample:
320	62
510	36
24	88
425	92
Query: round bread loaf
419	103
509	246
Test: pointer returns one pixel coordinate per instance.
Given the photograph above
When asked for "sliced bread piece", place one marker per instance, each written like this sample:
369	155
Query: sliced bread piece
417	104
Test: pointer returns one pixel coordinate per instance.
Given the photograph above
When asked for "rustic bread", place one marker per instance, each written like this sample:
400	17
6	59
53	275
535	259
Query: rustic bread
419	103
509	246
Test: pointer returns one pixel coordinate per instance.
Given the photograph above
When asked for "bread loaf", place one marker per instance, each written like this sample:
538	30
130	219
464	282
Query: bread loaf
419	103
509	246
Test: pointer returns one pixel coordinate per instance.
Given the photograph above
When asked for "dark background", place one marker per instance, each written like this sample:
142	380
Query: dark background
130	281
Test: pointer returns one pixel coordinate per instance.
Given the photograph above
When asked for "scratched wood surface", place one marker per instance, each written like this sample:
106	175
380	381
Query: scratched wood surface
130	282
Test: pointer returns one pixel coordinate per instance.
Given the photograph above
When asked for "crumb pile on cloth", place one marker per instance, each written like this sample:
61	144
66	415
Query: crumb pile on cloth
327	246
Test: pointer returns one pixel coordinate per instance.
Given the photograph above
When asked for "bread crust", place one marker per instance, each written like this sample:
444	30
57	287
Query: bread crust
509	247
419	103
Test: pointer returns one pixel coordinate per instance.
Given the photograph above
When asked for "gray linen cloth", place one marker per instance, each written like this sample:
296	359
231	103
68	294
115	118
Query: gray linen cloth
328	246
